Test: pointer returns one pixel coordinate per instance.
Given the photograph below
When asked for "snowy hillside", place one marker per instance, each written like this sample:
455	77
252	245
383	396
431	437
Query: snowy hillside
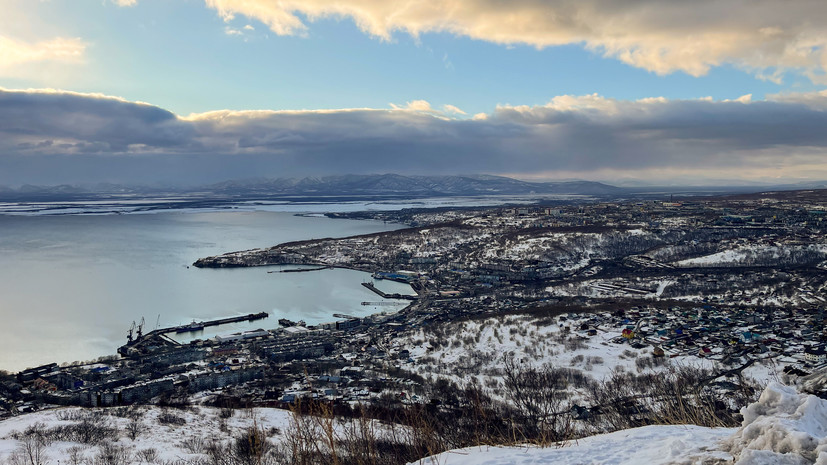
475	349
783	427
650	445
137	434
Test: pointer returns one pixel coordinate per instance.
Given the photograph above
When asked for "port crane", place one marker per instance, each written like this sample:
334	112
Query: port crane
129	333
140	328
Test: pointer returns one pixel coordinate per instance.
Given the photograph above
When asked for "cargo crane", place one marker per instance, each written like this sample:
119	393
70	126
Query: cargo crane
129	333
140	329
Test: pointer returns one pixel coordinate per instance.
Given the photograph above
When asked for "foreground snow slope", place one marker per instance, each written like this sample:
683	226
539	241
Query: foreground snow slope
168	440
783	427
649	445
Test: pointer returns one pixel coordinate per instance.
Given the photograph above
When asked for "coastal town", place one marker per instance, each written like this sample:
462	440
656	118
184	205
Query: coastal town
735	285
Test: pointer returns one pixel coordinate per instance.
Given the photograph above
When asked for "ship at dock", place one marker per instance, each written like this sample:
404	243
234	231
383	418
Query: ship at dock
192	327
288	323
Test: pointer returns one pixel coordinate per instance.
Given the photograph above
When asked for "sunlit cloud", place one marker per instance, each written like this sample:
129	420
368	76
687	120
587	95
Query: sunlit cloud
453	110
766	38
64	50
422	106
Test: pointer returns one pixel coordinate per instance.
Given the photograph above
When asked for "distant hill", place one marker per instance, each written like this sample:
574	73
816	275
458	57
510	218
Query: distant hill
395	184
800	195
377	185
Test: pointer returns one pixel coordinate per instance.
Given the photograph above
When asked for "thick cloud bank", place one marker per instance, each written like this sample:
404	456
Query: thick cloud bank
51	136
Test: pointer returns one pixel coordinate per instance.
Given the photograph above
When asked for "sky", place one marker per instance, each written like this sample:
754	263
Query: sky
621	91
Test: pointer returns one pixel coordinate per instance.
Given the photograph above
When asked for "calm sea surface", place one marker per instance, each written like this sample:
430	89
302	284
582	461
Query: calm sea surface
71	285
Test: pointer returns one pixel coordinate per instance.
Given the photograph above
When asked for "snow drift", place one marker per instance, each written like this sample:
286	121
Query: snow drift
783	427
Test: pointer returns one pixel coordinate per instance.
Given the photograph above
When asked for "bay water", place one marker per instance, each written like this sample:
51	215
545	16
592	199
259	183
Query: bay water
71	285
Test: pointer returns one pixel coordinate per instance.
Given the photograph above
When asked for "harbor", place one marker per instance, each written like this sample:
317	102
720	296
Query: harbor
169	338
138	342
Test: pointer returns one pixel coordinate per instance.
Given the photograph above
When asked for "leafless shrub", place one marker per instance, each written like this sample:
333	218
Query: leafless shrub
222	425
92	429
31	450
110	453
251	447
131	412
75	414
37	431
573	343
168	418
538	397
629	353
135	428
148	455
679	395
194	444
75	455
89	430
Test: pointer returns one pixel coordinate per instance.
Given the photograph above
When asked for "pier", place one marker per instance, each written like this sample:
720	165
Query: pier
223	321
159	336
386	295
303	270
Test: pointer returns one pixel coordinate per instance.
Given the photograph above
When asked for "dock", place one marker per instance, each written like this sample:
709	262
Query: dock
386	295
223	321
159	336
302	270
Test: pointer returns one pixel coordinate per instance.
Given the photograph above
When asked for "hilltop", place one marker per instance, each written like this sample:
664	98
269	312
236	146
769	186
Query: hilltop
782	427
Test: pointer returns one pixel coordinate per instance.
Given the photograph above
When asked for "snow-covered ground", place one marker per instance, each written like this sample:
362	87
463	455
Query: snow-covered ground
177	440
649	445
475	349
783	427
753	253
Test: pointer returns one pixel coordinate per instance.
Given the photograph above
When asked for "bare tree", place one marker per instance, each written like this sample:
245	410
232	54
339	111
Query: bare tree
30	451
110	453
135	428
539	399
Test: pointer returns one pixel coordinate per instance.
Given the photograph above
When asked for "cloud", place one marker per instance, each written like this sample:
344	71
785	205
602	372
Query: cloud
423	106
52	121
48	134
415	105
15	52
125	2
451	109
812	99
766	38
